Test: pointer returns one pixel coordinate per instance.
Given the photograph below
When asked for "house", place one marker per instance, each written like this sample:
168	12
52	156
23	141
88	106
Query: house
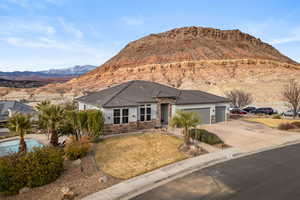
141	104
8	108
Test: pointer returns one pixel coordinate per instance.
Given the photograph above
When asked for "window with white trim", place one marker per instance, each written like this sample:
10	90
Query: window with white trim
145	112
121	116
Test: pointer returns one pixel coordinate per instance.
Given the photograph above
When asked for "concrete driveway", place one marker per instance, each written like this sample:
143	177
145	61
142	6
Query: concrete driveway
247	136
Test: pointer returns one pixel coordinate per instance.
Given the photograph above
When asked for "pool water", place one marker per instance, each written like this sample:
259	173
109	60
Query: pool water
12	146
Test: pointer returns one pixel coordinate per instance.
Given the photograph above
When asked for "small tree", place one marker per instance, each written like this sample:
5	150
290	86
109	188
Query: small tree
291	94
239	98
20	124
95	123
52	116
185	120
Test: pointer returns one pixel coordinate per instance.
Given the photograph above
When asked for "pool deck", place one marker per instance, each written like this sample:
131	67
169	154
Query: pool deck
41	138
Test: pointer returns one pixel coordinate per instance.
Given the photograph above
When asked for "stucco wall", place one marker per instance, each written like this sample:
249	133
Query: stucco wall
87	106
195	106
108	112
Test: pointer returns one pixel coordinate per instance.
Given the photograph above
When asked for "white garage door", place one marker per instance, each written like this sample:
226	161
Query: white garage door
220	113
204	114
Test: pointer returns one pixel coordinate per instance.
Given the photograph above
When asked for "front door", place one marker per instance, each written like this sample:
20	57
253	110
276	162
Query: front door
164	113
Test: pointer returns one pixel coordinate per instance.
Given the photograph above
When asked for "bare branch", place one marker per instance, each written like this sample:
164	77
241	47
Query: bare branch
239	98
291	94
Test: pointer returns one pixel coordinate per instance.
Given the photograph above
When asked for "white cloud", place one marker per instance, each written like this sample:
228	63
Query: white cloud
31	4
69	28
27	4
293	36
132	21
55	2
13	27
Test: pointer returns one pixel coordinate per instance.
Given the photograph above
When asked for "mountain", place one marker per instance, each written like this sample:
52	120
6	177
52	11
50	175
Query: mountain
76	70
52	75
208	59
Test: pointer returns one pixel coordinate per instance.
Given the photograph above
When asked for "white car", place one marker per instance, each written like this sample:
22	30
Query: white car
290	113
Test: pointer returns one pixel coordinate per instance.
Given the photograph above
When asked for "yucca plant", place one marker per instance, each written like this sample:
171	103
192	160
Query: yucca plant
20	124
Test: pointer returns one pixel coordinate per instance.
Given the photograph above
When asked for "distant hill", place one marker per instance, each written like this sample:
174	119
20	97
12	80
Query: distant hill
21	83
207	59
28	79
52	75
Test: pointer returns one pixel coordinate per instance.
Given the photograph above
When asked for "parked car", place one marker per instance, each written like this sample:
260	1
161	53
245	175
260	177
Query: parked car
267	111
238	111
249	109
290	113
232	107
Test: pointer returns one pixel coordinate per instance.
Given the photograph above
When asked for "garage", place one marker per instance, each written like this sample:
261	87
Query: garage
220	113
204	113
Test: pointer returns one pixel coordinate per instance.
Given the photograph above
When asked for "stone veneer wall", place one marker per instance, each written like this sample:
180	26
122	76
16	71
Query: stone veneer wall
160	101
110	129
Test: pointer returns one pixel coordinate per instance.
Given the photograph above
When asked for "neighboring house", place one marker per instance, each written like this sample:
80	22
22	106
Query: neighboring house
140	104
8	108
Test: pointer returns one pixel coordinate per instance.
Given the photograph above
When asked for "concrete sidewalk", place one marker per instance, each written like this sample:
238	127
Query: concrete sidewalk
140	184
149	180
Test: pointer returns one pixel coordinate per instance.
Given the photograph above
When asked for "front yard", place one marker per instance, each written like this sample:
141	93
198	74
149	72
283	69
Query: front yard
273	123
125	157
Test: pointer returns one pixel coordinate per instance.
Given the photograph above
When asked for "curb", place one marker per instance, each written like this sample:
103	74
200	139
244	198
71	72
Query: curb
115	192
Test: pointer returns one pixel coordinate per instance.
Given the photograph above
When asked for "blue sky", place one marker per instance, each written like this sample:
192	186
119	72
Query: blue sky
42	34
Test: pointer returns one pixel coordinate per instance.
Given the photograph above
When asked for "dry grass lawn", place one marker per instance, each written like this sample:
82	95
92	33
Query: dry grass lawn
127	156
274	123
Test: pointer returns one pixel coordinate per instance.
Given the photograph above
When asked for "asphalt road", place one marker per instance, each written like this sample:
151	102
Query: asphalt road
271	175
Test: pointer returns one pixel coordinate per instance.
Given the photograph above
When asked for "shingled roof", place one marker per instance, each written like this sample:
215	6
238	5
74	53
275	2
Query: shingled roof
14	106
137	92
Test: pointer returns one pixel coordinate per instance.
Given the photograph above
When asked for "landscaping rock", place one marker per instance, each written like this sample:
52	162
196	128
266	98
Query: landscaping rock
77	162
103	179
67	193
24	190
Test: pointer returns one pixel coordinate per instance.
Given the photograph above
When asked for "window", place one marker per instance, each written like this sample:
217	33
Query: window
145	112
125	116
117	116
121	116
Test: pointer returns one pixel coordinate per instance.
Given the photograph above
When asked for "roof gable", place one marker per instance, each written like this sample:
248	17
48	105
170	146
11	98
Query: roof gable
137	92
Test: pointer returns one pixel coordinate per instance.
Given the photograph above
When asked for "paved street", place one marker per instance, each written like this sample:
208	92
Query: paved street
272	175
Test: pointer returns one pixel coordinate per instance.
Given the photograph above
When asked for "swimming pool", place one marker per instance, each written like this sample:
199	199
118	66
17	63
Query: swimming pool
12	146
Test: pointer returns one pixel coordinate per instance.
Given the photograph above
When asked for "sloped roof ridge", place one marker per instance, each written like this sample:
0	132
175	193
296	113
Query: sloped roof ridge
121	90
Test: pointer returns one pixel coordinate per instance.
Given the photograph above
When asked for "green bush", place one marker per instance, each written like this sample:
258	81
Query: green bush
77	149
205	136
276	116
37	168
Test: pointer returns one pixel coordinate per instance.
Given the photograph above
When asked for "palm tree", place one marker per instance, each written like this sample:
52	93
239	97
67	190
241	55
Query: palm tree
185	120
40	106
42	123
52	116
20	124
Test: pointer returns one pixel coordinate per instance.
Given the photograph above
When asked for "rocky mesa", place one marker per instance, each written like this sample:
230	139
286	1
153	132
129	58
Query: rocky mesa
191	58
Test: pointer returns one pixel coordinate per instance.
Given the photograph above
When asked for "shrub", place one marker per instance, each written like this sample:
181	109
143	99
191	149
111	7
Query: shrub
205	136
37	168
285	126
276	117
77	149
296	124
95	123
46	166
